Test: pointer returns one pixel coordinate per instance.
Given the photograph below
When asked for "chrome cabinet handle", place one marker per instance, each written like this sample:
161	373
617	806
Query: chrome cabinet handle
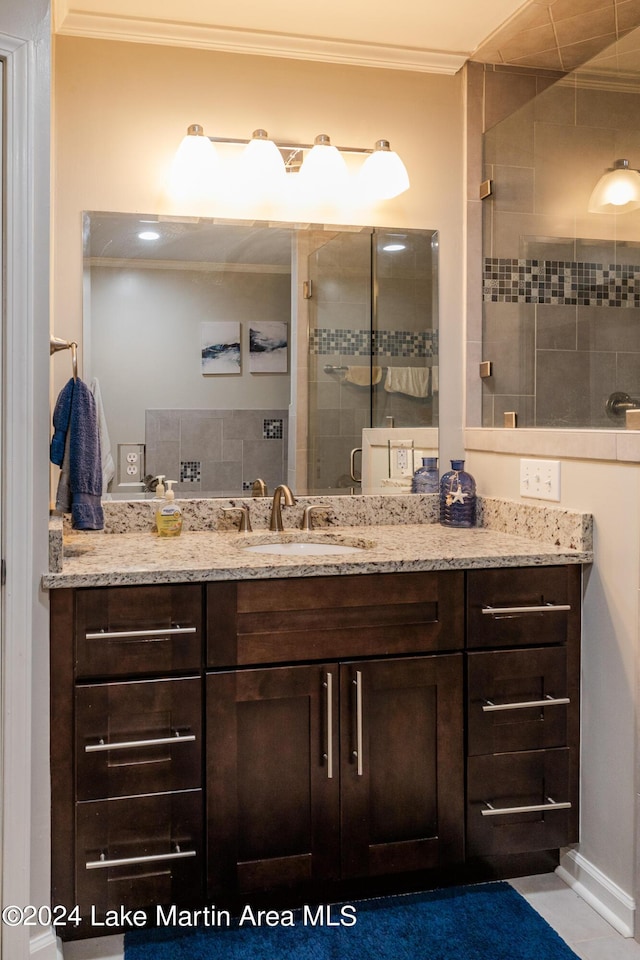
492	811
329	754
126	744
103	862
540	608
489	706
118	634
357	753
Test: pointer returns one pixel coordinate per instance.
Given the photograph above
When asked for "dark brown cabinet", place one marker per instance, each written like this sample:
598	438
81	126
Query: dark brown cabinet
401	764
333	771
272	777
239	738
523	638
126	754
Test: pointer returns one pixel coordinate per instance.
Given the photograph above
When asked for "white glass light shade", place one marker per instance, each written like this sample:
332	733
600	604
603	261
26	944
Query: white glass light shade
194	166
261	164
323	171
383	175
617	191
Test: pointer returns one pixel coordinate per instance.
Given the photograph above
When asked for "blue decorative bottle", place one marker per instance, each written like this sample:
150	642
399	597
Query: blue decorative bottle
457	497
425	479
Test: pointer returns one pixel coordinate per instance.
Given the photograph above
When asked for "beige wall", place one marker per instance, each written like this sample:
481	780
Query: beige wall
120	111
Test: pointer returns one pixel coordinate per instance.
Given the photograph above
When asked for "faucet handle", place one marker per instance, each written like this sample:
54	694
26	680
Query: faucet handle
245	517
305	523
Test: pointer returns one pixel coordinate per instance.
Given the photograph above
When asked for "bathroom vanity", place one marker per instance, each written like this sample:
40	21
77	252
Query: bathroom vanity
261	729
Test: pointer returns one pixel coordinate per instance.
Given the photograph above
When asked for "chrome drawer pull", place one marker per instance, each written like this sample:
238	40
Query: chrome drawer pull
119	634
492	811
329	754
541	608
489	706
126	744
130	861
357	753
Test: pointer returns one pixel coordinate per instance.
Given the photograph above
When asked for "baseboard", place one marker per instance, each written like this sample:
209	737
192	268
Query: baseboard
601	893
45	946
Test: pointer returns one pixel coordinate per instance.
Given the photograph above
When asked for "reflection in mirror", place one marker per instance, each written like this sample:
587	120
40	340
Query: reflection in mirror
227	352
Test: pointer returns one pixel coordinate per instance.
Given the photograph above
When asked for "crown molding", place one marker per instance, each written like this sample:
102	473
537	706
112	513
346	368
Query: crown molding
260	43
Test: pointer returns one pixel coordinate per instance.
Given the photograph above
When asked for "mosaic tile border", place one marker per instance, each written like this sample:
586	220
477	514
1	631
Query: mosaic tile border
563	282
272	429
386	343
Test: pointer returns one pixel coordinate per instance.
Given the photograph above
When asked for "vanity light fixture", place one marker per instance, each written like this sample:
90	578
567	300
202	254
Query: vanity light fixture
194	165
617	190
324	171
383	173
321	165
261	161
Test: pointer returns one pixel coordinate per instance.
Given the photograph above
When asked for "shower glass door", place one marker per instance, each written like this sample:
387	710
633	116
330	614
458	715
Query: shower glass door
339	363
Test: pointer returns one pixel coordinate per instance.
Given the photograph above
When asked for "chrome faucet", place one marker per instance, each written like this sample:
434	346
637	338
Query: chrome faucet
276	512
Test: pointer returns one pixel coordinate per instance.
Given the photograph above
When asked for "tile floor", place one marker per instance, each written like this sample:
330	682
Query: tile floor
588	935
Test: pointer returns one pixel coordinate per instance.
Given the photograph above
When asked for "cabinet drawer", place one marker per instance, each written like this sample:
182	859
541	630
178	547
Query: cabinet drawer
326	618
139	852
501	684
526	606
160	719
131	630
516	783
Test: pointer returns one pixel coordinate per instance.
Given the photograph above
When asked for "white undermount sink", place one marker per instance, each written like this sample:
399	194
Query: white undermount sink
302	548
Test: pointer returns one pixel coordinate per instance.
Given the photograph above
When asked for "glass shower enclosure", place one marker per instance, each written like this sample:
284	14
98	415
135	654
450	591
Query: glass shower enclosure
561	284
372	344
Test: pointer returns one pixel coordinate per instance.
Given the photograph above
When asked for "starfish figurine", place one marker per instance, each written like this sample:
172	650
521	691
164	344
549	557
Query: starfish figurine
458	496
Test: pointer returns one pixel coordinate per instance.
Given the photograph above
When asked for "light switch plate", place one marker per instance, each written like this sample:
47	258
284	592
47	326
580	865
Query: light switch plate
540	479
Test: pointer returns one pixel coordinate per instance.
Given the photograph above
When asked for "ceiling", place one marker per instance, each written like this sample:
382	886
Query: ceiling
426	35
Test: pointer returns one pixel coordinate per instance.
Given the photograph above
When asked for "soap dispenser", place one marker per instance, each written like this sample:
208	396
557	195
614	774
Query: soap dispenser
159	491
169	514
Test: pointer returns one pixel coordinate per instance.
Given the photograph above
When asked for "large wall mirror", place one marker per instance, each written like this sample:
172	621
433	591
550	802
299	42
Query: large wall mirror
229	351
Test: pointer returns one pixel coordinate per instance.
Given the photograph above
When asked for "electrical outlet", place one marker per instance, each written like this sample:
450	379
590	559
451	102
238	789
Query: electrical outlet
402	458
540	479
130	465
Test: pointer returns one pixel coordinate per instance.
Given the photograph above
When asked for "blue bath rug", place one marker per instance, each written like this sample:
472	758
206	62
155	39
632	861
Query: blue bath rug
489	921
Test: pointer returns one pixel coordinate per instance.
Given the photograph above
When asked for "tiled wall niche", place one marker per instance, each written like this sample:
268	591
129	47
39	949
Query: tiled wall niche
217	453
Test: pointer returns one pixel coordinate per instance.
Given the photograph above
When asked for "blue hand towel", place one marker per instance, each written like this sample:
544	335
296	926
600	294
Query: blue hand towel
61	415
80	485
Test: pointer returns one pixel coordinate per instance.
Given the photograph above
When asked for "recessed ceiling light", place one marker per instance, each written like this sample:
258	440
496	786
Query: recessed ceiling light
393	247
149	235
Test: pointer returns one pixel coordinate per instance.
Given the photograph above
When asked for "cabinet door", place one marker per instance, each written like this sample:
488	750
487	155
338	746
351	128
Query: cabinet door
402	764
519	802
523	607
138	852
272	776
138	737
123	631
517	700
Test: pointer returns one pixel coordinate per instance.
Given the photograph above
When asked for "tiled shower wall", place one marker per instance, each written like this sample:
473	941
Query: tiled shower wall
217	453
561	287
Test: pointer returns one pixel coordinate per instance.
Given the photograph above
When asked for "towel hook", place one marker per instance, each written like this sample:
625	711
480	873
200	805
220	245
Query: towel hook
56	343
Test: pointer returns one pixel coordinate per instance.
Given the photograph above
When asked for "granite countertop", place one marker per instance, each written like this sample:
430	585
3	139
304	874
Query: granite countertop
542	538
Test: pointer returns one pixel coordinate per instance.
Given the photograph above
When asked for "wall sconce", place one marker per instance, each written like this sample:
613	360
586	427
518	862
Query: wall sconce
264	163
617	190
